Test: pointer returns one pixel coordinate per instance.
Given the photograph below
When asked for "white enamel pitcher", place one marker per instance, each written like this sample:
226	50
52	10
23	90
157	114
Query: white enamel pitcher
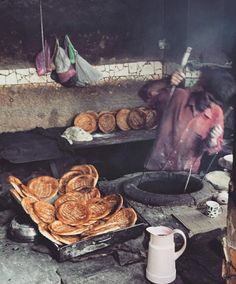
161	254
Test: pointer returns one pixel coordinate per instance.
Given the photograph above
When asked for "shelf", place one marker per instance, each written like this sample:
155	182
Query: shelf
47	144
118	137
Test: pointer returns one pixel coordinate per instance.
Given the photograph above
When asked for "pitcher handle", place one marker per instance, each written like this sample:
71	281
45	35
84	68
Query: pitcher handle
180	251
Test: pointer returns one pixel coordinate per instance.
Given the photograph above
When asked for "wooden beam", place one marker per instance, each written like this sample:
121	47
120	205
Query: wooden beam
230	243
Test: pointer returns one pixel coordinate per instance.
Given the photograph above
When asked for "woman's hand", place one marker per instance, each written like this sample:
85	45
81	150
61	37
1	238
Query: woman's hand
215	133
177	77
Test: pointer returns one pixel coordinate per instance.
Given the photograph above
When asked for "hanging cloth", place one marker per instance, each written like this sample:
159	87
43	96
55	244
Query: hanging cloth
86	73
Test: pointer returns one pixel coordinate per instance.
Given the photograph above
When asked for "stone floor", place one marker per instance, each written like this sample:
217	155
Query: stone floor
124	263
32	263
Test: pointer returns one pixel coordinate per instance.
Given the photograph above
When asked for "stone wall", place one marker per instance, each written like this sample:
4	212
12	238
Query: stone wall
29	101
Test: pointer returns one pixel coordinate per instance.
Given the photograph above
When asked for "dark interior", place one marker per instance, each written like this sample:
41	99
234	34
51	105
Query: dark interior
111	30
175	184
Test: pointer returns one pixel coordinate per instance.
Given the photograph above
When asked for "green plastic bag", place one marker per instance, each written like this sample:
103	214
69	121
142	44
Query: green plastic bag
70	50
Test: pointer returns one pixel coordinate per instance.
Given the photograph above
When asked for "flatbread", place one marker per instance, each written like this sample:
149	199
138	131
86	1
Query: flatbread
59	228
44	211
107	122
86	121
122	119
81	196
82	169
73	213
94	172
151	118
17	184
15	194
43	229
99	231
65	179
27	204
125	217
68	240
98	208
115	202
43	187
79	182
136	119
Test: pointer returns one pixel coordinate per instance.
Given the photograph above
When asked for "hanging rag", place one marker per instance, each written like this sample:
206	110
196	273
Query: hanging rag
86	73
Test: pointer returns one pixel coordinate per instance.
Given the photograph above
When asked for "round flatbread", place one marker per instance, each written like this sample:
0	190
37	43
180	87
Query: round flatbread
122	119
17	184
27	204
43	187
81	196
79	182
73	213
43	229
94	172
93	113
125	217
115	202
82	169
16	196
98	208
86	121
59	228
151	118
136	119
65	179
44	211
68	240
107	122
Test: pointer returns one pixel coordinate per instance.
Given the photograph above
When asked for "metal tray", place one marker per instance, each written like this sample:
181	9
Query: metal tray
65	252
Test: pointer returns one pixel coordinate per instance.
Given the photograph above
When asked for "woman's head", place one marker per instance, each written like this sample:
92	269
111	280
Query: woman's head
151	89
218	82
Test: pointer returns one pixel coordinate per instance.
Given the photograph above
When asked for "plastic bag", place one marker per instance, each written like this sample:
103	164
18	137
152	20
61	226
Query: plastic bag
69	48
43	60
64	69
86	73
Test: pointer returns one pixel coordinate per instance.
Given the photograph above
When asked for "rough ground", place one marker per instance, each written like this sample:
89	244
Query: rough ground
28	263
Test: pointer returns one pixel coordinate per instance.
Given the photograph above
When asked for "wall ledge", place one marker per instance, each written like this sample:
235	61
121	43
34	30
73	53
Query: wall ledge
140	70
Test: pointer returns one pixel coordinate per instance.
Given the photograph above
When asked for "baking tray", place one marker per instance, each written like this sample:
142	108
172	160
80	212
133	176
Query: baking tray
66	252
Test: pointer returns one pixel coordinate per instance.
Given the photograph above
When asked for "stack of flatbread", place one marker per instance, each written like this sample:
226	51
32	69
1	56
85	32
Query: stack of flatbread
71	209
106	121
123	119
87	121
139	118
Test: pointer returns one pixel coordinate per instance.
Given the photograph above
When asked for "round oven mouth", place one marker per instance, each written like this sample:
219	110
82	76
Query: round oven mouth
167	189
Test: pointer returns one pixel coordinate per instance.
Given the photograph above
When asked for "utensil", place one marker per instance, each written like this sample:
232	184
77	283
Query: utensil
187	181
